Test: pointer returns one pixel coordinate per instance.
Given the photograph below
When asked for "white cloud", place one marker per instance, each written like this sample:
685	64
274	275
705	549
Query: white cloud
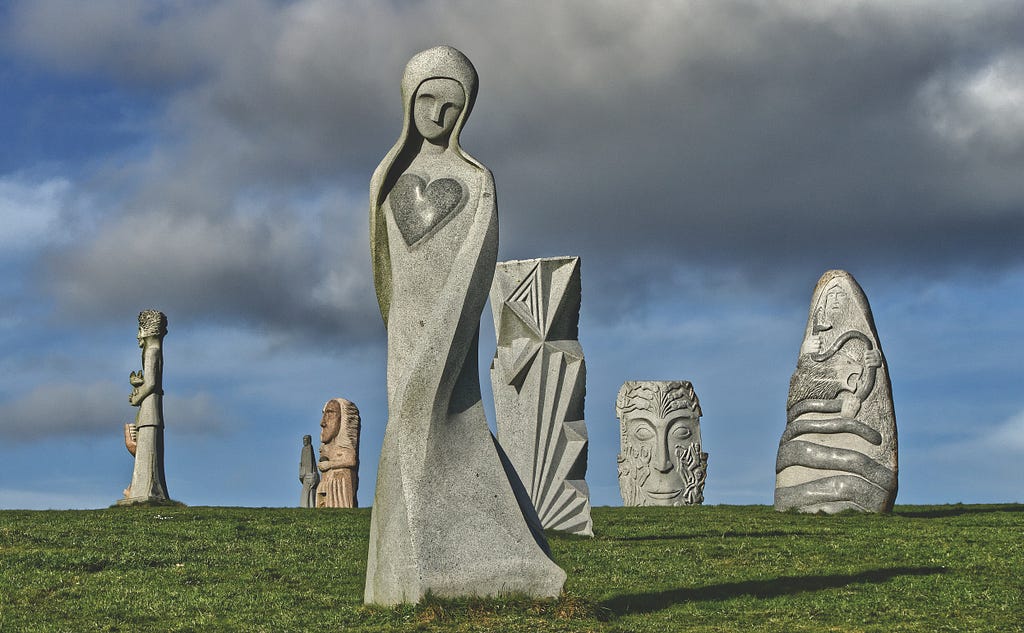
1007	436
984	105
30	212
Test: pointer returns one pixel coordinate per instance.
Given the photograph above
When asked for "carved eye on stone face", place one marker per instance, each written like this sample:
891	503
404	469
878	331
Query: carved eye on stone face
641	430
680	432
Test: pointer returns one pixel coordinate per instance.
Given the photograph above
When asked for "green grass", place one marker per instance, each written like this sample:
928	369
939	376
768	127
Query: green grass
716	568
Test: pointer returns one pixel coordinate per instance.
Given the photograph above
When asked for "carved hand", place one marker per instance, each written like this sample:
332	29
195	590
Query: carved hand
811	345
850	405
131	438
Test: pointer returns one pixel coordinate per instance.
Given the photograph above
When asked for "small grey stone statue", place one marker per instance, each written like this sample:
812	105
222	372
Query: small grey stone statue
661	462
838	451
450	516
145	438
539	380
309	477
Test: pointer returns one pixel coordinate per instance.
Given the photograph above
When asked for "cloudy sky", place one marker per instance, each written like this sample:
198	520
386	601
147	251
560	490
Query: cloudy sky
708	162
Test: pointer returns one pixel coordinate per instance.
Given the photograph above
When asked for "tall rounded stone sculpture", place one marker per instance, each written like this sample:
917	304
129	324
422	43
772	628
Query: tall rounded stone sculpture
539	380
145	438
339	455
449	516
661	462
838	451
308	475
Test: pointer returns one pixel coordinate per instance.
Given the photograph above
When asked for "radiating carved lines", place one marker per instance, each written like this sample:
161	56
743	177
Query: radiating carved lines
539	387
526	303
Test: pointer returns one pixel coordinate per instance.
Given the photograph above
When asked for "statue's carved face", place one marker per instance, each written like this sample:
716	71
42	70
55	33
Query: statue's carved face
831	306
437	106
330	423
661	462
657	445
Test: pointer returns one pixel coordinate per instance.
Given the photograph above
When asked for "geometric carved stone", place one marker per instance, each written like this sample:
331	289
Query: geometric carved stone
661	462
339	455
450	516
539	381
308	475
838	451
145	438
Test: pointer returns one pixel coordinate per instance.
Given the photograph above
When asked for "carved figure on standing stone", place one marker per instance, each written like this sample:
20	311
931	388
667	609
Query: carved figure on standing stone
339	455
144	438
838	451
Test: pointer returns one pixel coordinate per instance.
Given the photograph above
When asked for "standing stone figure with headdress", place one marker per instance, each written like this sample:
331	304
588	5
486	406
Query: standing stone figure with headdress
145	438
308	475
339	455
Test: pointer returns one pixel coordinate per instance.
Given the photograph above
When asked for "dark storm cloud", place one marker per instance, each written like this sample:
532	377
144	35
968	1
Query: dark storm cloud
735	138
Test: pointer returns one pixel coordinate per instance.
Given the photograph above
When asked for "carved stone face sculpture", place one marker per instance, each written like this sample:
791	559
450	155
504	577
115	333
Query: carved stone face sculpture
661	462
330	423
437	106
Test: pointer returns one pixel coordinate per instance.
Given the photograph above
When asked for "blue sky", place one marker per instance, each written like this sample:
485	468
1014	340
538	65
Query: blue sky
708	162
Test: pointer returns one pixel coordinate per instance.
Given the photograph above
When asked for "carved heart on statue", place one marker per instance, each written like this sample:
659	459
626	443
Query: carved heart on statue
420	208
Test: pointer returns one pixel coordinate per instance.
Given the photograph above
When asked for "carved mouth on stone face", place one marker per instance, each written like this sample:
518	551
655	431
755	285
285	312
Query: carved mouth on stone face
664	495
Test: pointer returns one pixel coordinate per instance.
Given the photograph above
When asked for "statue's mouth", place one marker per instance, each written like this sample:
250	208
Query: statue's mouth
664	495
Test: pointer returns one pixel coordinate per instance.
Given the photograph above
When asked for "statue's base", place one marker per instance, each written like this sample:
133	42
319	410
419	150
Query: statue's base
149	502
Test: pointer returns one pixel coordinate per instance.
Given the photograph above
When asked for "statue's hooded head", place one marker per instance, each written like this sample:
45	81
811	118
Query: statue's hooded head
340	423
442	63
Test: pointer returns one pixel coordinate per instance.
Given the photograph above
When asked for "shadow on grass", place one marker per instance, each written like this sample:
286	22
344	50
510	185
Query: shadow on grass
658	600
957	510
708	535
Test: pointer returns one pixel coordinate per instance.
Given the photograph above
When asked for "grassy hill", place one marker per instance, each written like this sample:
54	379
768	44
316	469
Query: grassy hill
716	568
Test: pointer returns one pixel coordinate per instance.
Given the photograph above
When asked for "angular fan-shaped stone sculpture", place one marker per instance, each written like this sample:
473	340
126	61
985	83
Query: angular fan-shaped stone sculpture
450	516
539	382
838	451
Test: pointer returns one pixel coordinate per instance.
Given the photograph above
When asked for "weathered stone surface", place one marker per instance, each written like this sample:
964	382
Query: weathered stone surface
145	437
539	381
838	451
309	477
339	455
661	462
450	515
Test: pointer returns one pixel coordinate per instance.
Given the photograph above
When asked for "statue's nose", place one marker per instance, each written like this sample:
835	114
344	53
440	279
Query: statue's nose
661	462
437	116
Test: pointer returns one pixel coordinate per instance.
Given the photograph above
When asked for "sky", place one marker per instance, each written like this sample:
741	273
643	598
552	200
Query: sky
707	161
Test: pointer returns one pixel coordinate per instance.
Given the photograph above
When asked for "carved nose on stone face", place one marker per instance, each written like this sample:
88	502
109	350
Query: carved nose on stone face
661	462
437	113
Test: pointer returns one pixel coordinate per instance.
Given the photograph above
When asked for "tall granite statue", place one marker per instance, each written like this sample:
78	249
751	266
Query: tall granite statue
145	438
539	382
339	455
450	516
838	451
309	477
661	462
